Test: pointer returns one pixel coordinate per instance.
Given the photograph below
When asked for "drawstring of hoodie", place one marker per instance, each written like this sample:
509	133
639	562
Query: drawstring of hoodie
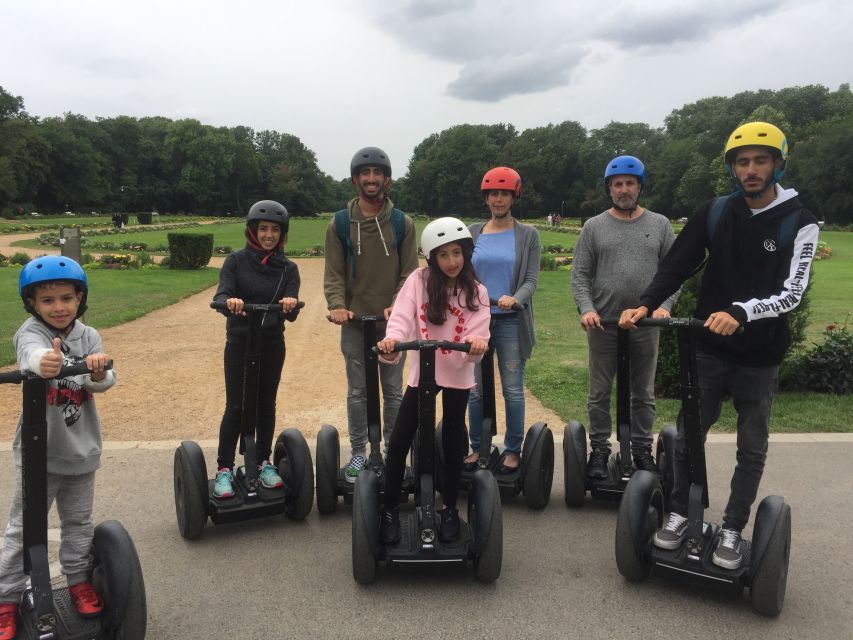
253	242
381	237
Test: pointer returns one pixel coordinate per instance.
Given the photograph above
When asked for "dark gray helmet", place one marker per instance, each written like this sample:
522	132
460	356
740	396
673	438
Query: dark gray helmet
271	211
370	156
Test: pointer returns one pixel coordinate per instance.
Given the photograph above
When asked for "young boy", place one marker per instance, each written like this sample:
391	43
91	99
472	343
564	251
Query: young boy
54	290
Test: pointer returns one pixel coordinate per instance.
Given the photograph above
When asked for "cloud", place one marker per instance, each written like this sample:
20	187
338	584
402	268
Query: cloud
492	79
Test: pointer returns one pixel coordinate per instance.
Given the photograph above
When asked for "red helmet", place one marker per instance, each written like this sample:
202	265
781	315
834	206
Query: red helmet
502	178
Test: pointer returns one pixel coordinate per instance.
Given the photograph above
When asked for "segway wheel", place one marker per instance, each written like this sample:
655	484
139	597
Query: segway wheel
640	515
292	458
328	464
191	498
538	466
485	522
771	550
365	527
665	459
574	463
117	575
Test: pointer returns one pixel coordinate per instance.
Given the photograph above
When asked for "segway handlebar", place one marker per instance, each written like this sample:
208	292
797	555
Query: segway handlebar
417	345
251	307
17	376
374	318
515	307
693	323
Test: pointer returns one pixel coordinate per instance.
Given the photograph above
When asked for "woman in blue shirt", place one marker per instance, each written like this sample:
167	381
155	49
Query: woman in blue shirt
506	259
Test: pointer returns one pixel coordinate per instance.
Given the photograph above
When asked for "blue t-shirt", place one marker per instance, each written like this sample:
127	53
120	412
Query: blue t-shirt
494	262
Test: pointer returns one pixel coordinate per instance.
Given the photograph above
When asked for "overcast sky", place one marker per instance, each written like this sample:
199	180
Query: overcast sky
342	74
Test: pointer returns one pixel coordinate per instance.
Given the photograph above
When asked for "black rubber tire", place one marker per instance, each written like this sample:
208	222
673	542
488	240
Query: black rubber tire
328	466
769	570
665	459
574	464
117	575
365	527
292	458
538	467
485	522
640	515
190	483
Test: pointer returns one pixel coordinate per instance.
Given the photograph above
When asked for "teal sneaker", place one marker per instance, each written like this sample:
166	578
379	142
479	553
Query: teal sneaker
354	468
269	476
223	486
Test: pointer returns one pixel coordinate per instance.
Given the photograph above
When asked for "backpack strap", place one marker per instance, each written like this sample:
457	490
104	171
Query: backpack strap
718	206
398	223
343	231
788	229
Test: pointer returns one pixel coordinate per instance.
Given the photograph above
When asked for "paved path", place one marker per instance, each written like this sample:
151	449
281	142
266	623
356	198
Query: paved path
278	579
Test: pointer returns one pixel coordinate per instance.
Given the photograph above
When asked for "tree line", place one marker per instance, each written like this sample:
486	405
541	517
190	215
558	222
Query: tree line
137	164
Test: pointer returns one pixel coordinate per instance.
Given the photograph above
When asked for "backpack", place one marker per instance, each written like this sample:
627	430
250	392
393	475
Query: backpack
342	228
787	230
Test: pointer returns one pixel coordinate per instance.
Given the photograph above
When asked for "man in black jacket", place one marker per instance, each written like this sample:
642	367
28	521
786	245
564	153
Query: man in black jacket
760	243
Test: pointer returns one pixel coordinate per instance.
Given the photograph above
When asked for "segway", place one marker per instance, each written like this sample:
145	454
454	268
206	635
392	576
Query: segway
535	472
764	570
48	612
194	500
481	538
619	466
331	477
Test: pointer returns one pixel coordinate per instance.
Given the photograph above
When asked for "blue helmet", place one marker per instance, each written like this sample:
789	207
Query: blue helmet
48	269
624	166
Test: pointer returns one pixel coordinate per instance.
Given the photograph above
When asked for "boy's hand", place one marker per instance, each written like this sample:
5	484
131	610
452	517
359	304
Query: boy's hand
722	323
97	363
51	362
478	345
288	304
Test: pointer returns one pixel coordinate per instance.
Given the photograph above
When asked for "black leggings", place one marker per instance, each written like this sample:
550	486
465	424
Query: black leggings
454	441
271	363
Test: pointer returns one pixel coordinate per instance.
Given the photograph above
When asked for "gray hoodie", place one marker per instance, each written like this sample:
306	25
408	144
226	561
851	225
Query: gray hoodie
73	426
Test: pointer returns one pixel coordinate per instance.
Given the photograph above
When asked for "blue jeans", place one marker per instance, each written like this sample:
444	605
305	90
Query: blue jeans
504	329
752	390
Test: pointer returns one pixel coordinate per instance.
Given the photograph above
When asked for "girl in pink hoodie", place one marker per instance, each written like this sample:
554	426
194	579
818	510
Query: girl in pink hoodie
443	301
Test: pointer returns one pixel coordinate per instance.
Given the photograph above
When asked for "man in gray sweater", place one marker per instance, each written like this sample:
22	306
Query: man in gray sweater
615	259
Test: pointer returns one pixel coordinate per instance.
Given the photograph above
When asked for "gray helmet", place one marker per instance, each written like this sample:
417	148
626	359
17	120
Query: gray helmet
370	156
271	211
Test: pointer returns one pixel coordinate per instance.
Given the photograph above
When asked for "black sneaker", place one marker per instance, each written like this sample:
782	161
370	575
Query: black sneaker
448	529
673	532
728	553
389	526
597	465
643	459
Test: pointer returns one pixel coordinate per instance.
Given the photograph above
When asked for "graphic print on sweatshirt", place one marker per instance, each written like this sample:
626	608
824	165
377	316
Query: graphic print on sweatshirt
459	329
68	395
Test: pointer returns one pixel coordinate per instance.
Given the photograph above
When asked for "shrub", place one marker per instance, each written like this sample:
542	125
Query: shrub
87	258
143	258
120	260
143	218
20	258
190	250
4	260
547	262
825	368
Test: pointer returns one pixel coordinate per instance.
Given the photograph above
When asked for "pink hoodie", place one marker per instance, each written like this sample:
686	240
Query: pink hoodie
408	321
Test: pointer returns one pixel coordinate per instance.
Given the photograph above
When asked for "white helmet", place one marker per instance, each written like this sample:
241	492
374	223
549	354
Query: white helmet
442	231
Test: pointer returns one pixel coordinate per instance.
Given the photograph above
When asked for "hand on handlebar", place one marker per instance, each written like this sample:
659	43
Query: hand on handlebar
629	317
340	316
235	306
386	347
288	304
478	345
660	312
97	363
722	323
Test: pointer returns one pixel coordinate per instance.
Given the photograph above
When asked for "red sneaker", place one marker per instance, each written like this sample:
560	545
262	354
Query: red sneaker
89	604
8	620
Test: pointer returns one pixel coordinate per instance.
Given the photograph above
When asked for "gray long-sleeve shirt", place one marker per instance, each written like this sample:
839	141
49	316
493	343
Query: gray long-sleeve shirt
615	260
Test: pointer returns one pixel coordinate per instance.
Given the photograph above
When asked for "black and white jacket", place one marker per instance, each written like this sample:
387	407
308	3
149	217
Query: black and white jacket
748	274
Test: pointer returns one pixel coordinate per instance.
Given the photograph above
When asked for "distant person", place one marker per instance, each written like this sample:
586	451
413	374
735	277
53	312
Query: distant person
759	254
442	301
550	219
260	273
54	291
506	260
617	255
370	250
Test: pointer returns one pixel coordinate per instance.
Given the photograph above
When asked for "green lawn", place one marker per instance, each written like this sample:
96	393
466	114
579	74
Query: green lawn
557	373
117	296
83	221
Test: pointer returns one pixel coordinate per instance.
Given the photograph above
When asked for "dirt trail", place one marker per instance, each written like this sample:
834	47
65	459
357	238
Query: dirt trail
170	383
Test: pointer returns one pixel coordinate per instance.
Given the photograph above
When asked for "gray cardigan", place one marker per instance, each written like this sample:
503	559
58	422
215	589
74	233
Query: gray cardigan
526	272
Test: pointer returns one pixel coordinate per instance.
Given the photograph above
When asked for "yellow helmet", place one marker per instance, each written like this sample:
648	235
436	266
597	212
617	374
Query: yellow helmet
762	134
